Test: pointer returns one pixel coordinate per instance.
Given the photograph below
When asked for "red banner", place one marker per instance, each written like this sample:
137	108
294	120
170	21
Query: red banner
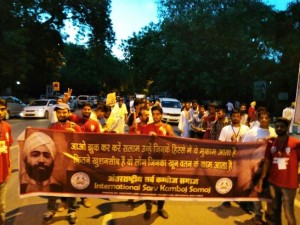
54	163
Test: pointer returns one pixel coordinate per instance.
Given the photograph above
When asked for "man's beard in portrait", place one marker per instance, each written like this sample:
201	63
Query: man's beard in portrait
39	172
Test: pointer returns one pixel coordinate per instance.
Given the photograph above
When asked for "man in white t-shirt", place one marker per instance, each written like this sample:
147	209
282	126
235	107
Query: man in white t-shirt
184	125
236	131
258	134
261	133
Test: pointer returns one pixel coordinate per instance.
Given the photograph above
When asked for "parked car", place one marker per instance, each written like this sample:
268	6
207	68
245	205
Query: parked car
74	100
82	99
171	109
40	108
71	105
14	106
94	100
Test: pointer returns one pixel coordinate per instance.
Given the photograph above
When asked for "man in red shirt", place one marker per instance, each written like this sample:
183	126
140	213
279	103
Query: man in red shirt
62	112
157	128
5	164
137	128
87	125
281	164
143	116
85	122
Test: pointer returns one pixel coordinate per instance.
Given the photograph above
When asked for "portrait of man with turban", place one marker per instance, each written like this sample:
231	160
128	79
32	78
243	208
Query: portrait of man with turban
39	152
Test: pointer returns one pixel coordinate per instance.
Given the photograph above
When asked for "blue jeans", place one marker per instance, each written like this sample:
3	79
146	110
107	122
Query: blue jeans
281	197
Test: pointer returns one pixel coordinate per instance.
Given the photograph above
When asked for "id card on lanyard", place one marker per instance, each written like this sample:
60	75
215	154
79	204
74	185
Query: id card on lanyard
280	160
281	163
3	147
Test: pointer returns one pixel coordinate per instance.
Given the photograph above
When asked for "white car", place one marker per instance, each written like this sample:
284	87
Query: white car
40	108
171	109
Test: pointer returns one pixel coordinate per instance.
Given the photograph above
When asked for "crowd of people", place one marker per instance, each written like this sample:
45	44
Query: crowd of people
280	158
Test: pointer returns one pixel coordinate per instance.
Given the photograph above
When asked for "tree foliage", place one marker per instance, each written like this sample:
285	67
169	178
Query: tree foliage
286	40
216	49
87	72
203	49
32	35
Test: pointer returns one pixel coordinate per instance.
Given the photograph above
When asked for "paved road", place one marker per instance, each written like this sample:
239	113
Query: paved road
29	211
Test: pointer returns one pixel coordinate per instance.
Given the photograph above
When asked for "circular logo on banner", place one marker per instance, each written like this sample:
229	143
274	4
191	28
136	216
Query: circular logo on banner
223	185
80	180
